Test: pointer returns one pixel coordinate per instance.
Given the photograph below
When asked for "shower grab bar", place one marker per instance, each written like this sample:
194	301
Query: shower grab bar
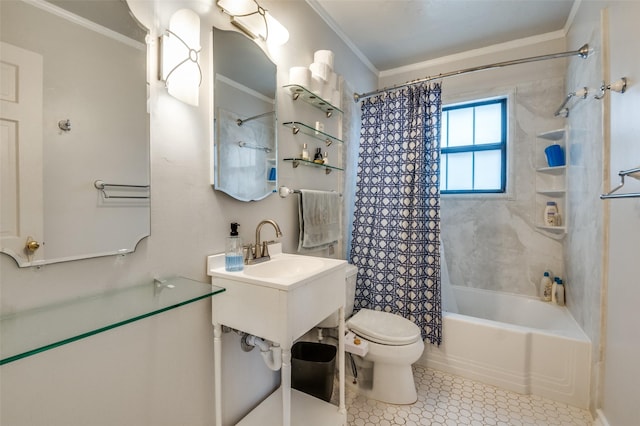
102	186
635	173
243	144
582	93
241	121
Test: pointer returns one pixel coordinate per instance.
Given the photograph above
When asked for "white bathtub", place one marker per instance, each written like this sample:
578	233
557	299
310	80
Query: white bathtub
514	342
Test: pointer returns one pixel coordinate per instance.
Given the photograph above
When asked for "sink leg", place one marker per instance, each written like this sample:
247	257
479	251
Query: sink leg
217	372
285	375
341	332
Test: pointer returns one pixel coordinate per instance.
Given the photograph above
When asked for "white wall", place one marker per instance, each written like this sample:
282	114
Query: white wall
490	241
188	222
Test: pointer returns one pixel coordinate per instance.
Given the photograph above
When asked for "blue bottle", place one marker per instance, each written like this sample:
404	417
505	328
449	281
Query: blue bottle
233	259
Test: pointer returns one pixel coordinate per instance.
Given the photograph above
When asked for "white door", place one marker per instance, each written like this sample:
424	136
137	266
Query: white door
21	208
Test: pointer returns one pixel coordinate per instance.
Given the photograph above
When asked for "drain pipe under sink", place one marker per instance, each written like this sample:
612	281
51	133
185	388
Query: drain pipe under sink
271	352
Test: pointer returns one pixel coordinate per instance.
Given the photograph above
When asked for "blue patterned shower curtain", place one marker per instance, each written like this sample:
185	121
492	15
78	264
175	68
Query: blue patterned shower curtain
396	228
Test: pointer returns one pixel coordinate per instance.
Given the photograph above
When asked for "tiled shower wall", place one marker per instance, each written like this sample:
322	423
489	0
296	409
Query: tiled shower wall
490	240
587	145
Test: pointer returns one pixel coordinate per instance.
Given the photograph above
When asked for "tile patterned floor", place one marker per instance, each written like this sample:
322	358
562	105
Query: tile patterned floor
444	399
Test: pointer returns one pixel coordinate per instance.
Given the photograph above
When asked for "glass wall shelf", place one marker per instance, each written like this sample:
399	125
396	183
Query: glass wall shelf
33	331
297	127
297	161
300	92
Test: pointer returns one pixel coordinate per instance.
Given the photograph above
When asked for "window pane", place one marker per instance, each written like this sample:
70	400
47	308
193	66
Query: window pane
488	170
461	127
443	129
488	124
460	171
443	172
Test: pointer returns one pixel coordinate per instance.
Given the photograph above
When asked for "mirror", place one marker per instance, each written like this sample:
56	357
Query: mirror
74	131
244	155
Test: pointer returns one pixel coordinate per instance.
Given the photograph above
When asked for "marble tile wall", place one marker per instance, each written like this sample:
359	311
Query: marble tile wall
491	241
587	144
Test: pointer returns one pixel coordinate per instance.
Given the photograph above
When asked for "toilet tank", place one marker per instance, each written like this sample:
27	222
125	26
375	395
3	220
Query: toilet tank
351	274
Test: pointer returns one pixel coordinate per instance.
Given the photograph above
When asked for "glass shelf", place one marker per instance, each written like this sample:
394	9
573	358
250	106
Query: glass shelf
297	161
30	332
297	126
300	92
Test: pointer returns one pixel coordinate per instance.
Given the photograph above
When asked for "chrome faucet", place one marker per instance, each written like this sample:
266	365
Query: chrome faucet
260	252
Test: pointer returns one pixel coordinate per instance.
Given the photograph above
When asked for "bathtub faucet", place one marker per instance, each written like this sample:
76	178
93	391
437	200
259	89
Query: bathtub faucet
260	252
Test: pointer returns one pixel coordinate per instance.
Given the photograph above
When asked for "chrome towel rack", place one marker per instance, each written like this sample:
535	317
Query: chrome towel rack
103	187
635	173
284	192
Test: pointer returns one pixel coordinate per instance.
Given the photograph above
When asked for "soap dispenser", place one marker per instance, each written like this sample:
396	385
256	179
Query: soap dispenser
233	259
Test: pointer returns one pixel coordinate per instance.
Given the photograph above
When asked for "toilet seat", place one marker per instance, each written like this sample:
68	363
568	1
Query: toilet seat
384	328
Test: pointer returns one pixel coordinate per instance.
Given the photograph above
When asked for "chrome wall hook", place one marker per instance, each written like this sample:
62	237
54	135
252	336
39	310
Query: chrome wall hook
619	86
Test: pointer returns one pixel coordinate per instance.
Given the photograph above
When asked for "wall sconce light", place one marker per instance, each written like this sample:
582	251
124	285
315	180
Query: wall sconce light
254	20
179	50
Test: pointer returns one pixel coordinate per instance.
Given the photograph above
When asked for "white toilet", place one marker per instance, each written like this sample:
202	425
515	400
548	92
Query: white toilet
394	344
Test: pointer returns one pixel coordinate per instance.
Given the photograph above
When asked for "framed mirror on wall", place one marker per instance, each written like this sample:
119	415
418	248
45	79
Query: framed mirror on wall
244	163
75	131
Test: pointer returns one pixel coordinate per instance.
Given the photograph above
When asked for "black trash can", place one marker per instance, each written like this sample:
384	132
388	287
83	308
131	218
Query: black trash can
312	368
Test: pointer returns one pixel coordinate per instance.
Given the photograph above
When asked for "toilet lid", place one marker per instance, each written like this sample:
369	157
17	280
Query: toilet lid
384	328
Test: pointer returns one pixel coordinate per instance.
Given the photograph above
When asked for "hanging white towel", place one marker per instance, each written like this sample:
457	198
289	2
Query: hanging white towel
319	214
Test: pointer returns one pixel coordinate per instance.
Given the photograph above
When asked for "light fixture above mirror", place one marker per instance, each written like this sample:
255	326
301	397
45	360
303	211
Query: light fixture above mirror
254	20
179	64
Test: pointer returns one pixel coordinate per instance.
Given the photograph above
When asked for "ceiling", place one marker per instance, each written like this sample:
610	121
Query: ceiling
395	33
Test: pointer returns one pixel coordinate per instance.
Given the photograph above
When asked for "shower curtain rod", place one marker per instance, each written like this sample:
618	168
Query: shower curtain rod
583	52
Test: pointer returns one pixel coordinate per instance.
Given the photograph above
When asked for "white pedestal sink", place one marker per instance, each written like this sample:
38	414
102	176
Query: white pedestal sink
280	300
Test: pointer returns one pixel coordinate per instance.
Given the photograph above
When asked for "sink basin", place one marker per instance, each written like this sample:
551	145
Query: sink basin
284	266
284	271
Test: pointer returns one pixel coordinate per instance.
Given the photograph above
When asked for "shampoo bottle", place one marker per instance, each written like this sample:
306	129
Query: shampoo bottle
551	214
559	293
545	287
233	259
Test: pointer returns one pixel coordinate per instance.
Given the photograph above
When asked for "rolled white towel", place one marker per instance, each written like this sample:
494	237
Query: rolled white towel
324	57
300	76
321	70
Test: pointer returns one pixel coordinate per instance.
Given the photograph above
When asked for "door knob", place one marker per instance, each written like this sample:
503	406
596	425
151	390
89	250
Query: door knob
32	245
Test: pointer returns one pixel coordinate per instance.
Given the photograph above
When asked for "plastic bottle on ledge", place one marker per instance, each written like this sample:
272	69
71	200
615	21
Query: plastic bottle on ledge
551	214
305	152
558	292
545	287
233	259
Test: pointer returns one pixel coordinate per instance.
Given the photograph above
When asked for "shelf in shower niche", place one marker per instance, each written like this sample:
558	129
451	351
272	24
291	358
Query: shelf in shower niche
552	192
37	330
552	135
297	127
299	161
552	170
555	232
300	92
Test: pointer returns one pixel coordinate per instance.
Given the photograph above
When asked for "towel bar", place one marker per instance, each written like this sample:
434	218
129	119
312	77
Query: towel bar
284	192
